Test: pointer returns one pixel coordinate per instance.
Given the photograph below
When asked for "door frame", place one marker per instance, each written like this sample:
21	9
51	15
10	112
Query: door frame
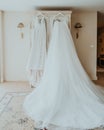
1	48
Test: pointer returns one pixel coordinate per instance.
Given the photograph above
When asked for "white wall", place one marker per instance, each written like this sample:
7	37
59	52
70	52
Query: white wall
86	44
16	49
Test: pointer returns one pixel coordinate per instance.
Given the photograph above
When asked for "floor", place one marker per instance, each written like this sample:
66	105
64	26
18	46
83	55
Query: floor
19	87
14	87
12	115
25	87
99	82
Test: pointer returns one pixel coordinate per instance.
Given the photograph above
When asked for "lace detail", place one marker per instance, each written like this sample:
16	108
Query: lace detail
36	60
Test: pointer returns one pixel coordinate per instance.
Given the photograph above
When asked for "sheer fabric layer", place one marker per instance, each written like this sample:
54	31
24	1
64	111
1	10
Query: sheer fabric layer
36	59
66	98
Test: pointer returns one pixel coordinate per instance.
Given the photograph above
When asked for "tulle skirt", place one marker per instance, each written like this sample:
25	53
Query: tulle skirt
66	98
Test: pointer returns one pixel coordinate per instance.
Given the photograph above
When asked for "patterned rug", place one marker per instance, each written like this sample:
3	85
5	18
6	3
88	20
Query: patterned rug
12	116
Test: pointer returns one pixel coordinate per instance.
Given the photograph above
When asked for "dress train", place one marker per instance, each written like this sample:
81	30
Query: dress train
66	98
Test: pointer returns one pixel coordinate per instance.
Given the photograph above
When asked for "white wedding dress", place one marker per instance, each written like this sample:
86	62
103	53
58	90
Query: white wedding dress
37	55
66	98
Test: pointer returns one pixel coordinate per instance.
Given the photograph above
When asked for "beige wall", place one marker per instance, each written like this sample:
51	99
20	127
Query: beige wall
17	49
86	44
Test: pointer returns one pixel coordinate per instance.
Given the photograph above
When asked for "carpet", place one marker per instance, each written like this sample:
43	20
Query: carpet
12	116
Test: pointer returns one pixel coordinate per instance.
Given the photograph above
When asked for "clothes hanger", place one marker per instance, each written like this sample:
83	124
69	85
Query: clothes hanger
58	17
41	15
59	14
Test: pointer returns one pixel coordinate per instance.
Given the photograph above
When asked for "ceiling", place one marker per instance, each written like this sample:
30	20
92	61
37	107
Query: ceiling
27	5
